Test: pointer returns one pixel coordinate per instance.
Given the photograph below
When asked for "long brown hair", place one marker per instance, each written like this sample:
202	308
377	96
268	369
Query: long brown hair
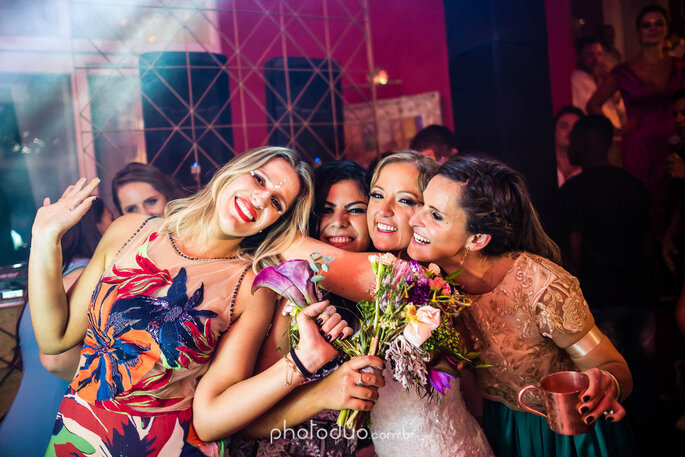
496	201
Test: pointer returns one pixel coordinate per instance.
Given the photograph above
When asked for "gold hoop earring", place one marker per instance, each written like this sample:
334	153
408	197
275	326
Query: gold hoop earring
463	258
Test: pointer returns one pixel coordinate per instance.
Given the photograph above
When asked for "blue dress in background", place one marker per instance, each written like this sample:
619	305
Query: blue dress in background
27	426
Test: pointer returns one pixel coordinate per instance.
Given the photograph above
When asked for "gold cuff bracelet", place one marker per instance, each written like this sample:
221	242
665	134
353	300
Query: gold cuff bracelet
586	344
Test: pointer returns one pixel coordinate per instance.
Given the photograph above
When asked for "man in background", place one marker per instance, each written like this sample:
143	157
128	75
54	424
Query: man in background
435	141
591	69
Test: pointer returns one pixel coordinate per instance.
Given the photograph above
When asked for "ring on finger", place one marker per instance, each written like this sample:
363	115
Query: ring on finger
609	412
360	383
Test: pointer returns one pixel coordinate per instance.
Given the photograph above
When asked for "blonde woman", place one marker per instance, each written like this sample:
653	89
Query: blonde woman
164	321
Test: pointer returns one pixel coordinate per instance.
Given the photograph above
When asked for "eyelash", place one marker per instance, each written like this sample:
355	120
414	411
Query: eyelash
436	216
261	183
406	201
352	210
277	205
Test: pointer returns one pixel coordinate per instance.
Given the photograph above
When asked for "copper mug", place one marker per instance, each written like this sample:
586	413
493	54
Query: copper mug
561	392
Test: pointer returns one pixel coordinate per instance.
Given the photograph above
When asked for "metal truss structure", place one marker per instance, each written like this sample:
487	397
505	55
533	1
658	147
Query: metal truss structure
241	38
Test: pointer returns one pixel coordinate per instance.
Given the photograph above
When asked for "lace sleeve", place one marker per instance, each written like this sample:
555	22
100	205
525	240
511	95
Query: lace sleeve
561	312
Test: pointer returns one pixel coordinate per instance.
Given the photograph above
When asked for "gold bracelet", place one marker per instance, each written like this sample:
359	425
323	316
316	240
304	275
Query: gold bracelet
290	372
586	344
616	383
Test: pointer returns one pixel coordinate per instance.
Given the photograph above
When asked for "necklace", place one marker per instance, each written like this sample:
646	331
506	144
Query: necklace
178	251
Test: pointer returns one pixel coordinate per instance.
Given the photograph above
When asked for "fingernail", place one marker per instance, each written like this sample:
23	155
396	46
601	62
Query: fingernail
322	333
610	418
342	337
319	321
586	398
328	338
589	420
584	409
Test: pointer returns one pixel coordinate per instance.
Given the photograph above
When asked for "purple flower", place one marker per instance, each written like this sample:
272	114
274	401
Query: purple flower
420	294
439	380
291	279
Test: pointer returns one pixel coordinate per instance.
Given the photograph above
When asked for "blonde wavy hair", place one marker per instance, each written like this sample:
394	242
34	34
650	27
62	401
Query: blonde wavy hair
191	216
426	166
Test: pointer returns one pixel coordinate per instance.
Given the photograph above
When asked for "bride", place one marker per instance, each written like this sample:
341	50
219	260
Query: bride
403	423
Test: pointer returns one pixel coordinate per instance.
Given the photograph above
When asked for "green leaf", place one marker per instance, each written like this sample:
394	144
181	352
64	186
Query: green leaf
317	278
324	267
313	266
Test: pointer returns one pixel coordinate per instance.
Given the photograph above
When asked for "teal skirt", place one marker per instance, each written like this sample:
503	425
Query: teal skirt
518	434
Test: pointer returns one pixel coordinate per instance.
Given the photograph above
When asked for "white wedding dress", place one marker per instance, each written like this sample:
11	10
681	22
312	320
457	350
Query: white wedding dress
402	423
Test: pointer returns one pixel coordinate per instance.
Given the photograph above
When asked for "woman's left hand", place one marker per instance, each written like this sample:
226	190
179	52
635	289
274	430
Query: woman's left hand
54	219
600	398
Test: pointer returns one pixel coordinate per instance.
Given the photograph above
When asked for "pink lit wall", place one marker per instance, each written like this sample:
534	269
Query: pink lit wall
409	41
561	50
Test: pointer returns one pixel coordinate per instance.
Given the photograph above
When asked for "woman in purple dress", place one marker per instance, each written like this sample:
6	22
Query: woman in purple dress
647	83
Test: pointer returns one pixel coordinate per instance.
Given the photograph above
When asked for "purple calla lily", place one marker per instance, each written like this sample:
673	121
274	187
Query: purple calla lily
301	275
291	279
270	277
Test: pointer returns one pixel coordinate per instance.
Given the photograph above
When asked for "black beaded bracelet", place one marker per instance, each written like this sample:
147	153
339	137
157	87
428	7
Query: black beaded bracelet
303	371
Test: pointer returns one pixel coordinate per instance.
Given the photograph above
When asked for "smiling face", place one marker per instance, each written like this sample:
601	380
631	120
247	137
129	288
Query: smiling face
255	200
652	29
394	198
343	222
440	234
141	197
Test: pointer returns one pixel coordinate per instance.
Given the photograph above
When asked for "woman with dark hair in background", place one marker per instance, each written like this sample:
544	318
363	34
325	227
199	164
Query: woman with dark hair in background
647	83
340	200
26	429
144	189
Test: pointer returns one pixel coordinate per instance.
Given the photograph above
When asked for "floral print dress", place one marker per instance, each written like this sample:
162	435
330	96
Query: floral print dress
154	321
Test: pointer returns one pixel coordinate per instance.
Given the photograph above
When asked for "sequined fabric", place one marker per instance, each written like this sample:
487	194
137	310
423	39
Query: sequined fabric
521	325
403	423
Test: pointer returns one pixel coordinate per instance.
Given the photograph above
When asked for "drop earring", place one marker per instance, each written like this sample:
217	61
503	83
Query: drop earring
463	258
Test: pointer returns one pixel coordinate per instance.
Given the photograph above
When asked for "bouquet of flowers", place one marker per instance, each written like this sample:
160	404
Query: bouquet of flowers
410	320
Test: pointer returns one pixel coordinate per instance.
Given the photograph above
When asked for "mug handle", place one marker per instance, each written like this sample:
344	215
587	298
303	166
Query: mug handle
526	407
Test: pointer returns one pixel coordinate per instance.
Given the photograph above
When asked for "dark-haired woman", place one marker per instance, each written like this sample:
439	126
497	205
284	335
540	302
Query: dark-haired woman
27	427
528	318
341	198
647	83
142	188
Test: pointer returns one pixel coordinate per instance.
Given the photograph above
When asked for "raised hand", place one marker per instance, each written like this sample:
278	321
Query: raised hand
54	219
